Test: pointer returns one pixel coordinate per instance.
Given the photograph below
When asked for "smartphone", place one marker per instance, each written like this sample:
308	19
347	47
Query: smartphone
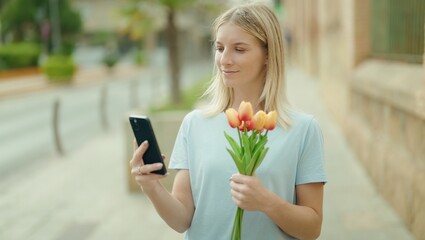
143	130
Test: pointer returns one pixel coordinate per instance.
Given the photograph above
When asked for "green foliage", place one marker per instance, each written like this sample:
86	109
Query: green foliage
68	46
139	57
15	14
138	20
100	38
59	68
19	55
110	58
24	18
189	98
176	3
70	20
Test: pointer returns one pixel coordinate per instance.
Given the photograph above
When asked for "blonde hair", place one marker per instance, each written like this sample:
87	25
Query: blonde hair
258	20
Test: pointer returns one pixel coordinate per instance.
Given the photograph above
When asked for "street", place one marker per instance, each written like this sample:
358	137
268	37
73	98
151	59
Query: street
84	111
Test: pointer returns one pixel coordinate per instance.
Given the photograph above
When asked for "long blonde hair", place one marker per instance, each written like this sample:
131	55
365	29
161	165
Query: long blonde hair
258	20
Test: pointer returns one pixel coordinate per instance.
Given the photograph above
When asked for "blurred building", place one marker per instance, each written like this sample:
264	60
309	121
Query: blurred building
368	56
100	16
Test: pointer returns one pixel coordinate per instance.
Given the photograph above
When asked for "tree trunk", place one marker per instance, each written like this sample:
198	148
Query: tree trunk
173	54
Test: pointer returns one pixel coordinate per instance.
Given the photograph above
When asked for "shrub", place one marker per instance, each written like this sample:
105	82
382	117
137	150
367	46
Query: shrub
110	58
139	57
59	68
100	38
19	55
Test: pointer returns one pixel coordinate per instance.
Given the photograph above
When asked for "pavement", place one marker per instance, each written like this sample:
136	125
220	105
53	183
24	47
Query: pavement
28	84
84	195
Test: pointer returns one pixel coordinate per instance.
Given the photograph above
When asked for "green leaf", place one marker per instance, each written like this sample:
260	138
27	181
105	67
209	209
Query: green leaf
261	142
253	136
246	150
260	159
236	148
237	160
255	158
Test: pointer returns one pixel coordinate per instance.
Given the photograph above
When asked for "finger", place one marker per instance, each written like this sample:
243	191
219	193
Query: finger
163	156
146	169
238	178
140	151
237	202
133	161
151	177
237	187
236	194
233	185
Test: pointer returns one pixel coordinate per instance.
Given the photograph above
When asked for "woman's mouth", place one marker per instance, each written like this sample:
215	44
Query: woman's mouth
228	72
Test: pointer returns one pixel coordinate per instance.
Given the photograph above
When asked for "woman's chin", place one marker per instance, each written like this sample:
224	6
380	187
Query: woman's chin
230	83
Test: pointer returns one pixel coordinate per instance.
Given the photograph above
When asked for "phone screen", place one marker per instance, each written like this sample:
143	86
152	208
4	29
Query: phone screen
143	130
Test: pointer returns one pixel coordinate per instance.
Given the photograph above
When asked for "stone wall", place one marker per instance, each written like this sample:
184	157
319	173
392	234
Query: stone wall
386	128
380	105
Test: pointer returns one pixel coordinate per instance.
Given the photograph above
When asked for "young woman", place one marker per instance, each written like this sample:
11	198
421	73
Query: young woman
283	200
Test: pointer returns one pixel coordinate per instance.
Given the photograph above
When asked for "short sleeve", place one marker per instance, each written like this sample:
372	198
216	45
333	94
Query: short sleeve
179	156
311	165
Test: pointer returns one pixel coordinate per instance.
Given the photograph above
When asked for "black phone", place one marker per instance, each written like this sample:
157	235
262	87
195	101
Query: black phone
143	130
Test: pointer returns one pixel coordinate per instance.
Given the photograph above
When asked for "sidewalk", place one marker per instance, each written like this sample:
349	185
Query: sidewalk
84	194
353	209
37	83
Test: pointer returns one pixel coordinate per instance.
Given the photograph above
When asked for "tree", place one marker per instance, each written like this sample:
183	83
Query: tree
173	49
24	19
139	21
172	8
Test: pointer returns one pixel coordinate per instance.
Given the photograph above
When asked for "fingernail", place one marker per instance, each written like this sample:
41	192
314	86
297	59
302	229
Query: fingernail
158	164
145	142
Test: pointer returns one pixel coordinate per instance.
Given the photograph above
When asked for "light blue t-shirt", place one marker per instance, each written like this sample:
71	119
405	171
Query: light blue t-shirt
295	157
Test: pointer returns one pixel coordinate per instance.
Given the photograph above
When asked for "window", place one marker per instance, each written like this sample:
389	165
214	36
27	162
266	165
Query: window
397	30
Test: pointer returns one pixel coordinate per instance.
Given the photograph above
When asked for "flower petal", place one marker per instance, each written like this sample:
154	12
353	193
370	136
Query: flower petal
245	111
233	118
270	123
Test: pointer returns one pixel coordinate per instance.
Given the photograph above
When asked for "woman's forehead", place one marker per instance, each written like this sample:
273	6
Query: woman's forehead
232	33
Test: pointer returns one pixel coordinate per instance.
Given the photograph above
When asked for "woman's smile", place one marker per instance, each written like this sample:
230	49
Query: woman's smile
229	73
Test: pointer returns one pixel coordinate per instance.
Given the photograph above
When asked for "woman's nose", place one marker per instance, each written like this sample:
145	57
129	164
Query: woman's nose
226	58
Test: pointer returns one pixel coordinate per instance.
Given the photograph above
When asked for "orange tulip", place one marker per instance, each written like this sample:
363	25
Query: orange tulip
270	122
248	124
232	117
245	111
258	120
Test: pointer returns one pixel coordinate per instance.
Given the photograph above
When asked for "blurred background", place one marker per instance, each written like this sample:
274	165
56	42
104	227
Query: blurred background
72	71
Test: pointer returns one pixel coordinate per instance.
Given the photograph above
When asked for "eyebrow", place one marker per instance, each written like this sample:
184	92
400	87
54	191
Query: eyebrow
237	43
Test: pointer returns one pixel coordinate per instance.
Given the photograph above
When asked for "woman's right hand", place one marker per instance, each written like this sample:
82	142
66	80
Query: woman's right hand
143	173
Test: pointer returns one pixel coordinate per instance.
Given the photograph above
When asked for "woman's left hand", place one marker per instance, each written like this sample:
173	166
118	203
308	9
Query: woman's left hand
248	192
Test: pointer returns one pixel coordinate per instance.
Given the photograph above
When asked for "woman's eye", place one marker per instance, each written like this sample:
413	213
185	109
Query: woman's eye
240	50
220	49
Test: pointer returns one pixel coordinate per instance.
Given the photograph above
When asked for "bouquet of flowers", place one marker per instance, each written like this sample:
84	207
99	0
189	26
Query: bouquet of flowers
250	150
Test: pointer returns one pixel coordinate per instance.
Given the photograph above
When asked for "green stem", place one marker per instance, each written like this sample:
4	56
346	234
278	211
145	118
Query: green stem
237	225
239	134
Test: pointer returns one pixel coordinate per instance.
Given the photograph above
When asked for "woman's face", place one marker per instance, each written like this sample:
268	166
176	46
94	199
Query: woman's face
240	57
